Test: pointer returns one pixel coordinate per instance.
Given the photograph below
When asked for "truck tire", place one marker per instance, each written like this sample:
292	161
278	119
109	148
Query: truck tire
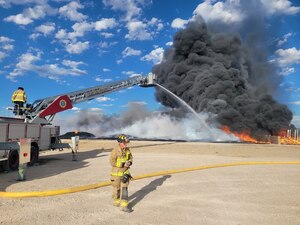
13	160
34	155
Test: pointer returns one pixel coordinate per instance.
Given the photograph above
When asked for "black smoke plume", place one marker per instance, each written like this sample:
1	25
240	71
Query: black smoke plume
218	74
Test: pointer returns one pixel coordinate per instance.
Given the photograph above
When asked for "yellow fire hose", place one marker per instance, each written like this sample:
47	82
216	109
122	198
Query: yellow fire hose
107	183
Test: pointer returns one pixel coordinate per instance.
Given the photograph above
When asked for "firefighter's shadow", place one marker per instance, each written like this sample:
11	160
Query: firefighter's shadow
152	186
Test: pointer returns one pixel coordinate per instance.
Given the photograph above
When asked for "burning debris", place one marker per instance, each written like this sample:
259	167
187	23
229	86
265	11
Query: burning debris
242	135
219	75
289	137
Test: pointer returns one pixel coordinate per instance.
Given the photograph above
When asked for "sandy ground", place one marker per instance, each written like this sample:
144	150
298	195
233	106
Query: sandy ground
239	195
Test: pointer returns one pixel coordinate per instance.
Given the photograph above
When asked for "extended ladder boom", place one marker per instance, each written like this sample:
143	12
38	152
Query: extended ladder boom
38	109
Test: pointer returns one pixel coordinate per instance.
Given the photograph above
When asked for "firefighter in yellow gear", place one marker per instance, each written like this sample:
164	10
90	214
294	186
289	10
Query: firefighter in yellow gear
19	98
121	160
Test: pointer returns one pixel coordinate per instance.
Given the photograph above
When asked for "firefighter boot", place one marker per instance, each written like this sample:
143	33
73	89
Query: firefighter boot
124	206
124	200
116	198
116	202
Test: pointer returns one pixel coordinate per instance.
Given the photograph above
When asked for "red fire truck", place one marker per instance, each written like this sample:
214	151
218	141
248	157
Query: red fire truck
35	123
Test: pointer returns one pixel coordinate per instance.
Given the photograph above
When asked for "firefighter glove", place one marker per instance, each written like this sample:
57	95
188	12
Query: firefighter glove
128	163
125	178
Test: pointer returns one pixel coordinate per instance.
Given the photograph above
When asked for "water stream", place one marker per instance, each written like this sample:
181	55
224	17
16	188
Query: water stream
189	108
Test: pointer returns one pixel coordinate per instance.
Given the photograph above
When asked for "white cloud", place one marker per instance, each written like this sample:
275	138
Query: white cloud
34	36
5	39
105	23
287	71
103	99
69	39
105	44
287	56
228	11
106	70
156	56
2	56
26	64
280	7
130	7
130	51
130	104
137	30
156	22
179	23
19	19
26	60
75	108
107	35
170	43
99	79
284	39
9	3
131	73
46	28
36	12
61	34
70	11
77	47
234	11
72	64
293	89
29	15
107	105
295	103
79	30
5	46
95	109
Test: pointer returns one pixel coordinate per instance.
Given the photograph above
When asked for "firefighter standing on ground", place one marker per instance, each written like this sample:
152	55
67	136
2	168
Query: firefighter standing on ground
19	98
121	160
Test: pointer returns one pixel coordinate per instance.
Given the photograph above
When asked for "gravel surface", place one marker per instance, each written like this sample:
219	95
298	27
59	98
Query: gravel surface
238	195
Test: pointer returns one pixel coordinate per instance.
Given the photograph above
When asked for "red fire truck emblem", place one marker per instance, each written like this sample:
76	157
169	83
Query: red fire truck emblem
63	103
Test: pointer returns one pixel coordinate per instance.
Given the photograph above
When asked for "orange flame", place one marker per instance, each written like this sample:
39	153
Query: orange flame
285	139
288	139
244	136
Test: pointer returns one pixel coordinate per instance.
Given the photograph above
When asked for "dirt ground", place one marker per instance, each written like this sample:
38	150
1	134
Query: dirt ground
238	195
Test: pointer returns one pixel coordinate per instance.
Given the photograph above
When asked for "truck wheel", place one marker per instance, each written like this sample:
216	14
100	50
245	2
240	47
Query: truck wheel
13	160
34	156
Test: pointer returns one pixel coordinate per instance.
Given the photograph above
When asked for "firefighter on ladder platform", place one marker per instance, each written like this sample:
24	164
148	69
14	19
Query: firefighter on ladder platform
121	160
19	98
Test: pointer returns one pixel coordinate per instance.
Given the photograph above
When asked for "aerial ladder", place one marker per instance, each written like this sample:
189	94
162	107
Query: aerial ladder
35	123
42	111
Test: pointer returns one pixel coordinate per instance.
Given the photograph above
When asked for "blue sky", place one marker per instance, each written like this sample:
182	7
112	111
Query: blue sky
56	46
